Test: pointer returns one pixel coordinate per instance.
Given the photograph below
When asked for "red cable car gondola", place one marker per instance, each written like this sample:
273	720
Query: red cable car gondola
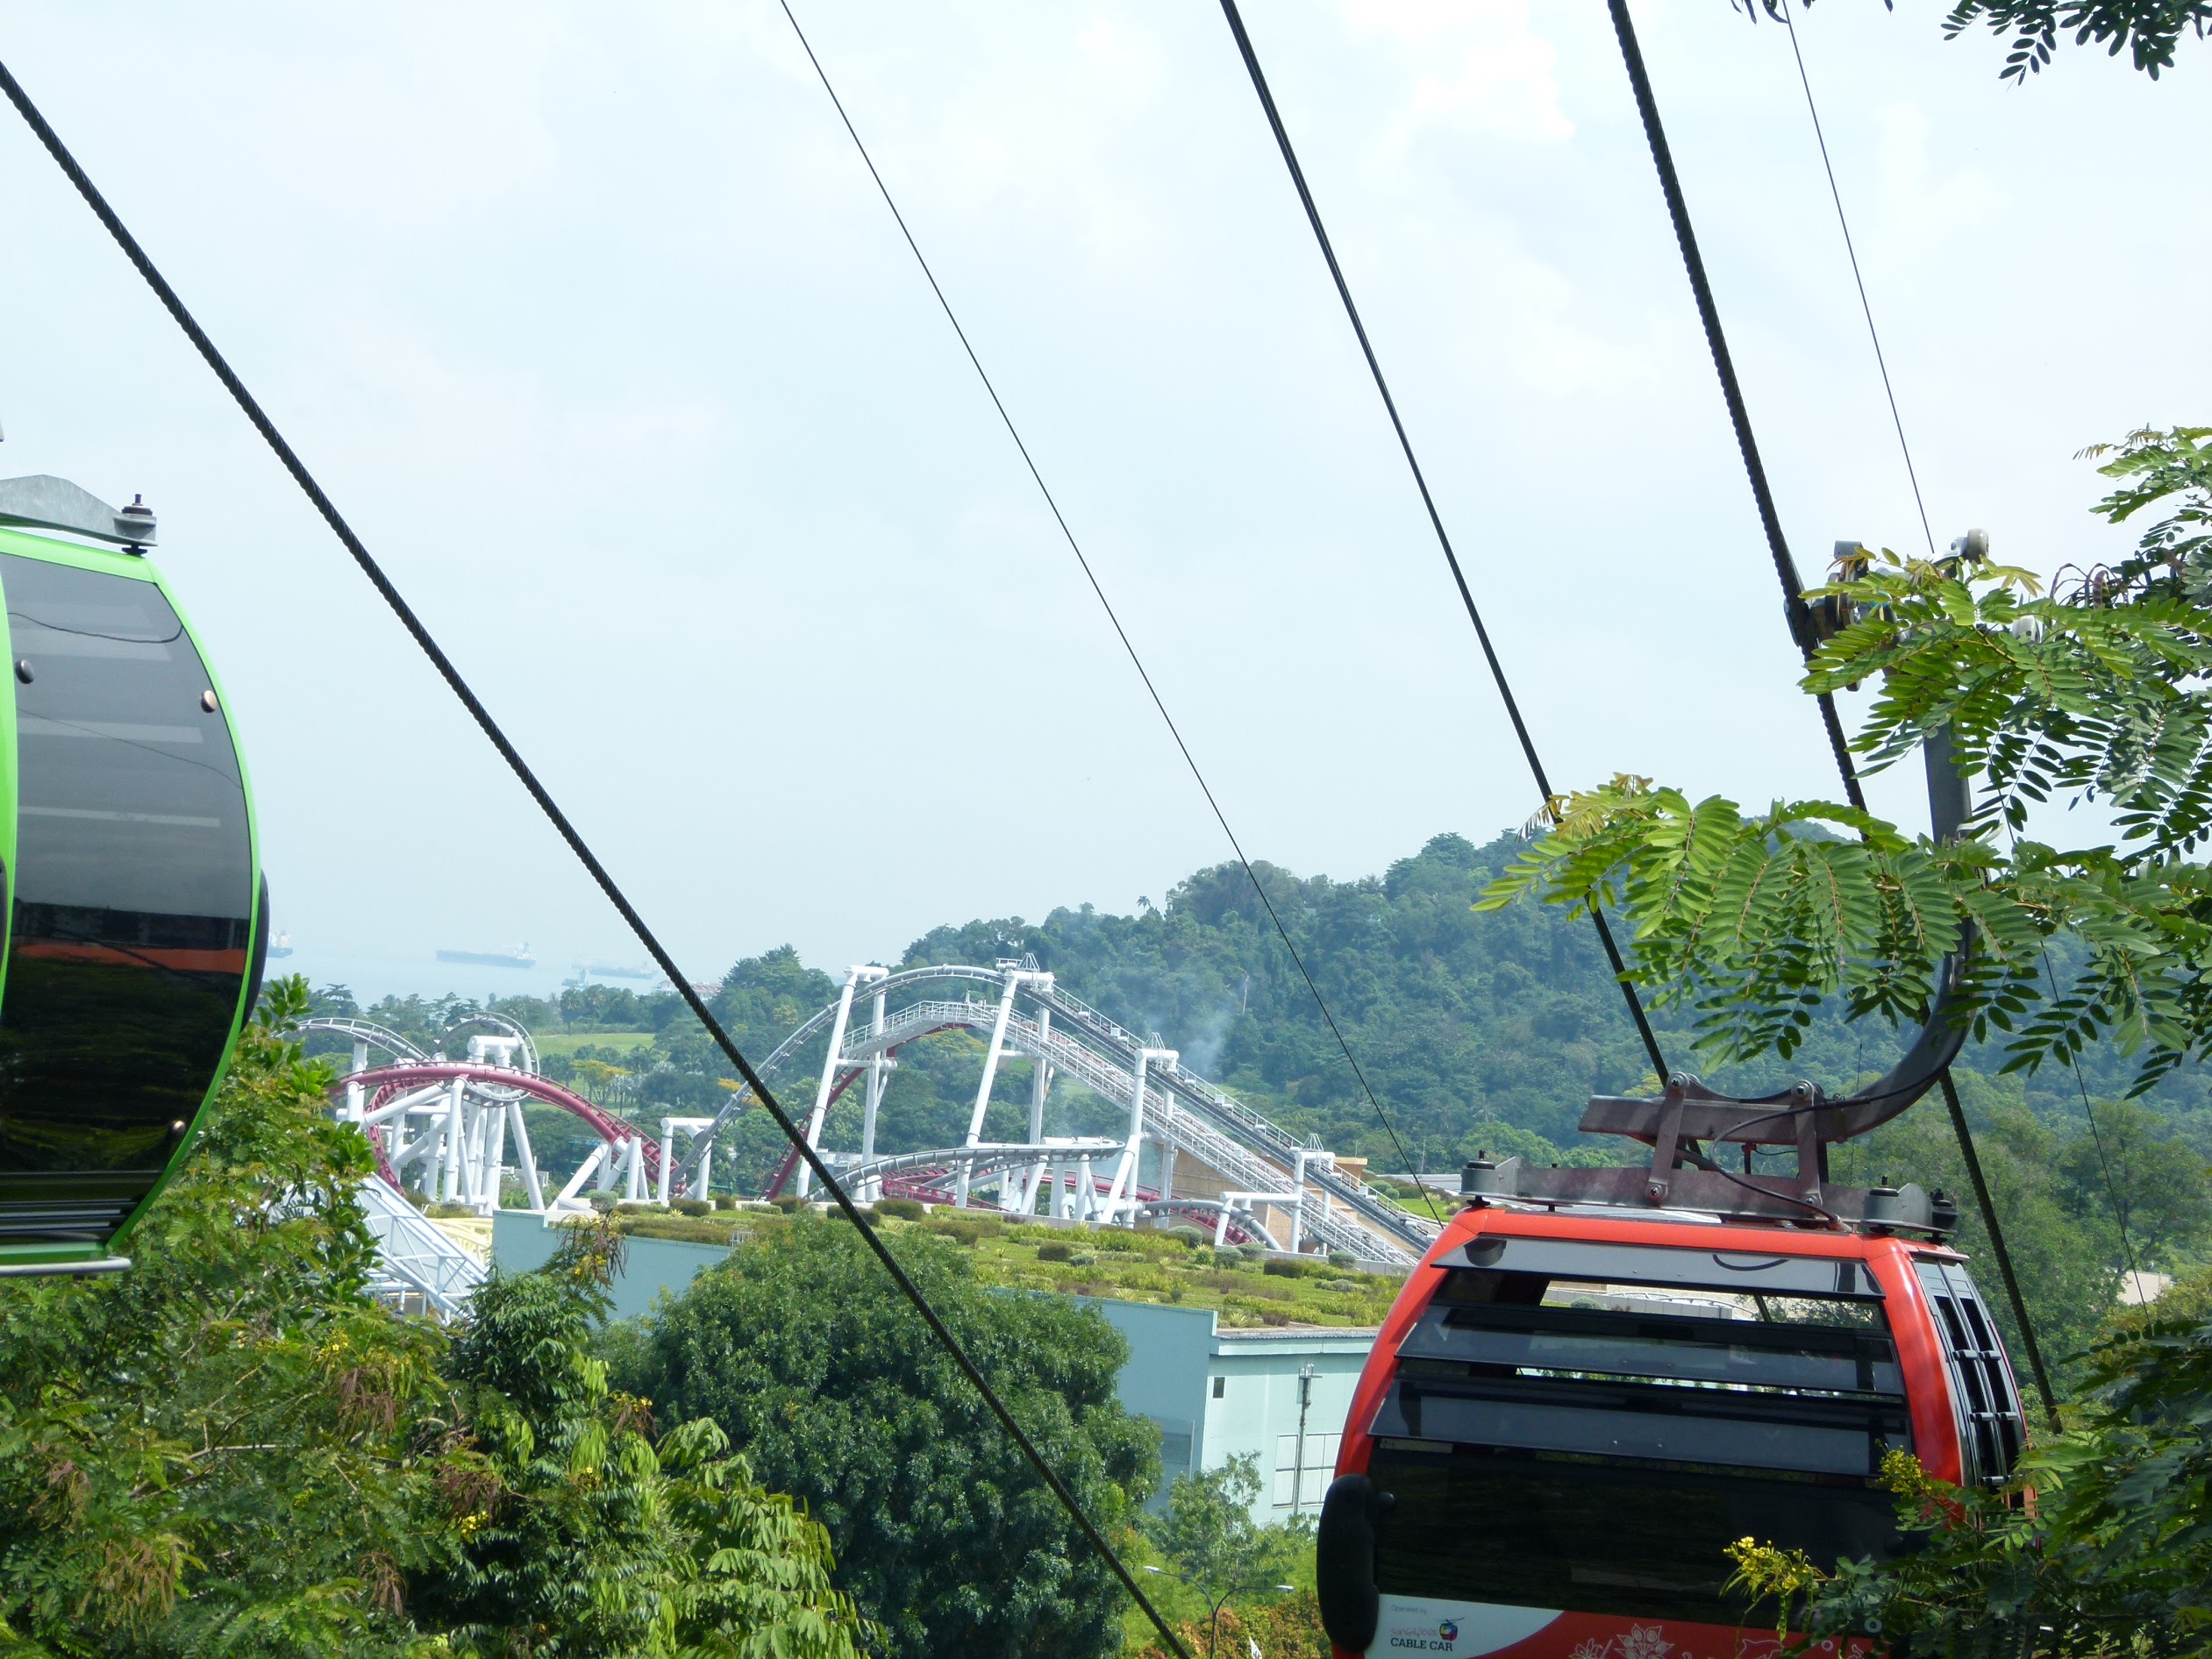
1599	1379
1572	1412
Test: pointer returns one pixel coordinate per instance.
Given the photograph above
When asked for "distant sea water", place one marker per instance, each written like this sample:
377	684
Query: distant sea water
374	977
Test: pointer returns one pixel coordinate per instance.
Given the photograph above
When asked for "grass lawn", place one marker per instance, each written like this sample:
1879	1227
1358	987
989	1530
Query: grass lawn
569	1042
1104	1261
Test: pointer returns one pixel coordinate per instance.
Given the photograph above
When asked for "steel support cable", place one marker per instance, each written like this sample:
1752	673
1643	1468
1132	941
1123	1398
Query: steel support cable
1436	519
1120	633
560	821
1724	365
1912	472
1740	416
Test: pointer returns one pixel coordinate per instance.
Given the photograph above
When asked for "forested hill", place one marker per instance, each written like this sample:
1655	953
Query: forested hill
1472	1030
1461	1021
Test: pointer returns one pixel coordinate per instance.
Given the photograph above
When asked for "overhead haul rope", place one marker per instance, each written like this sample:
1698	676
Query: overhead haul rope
1740	416
1436	519
1120	633
1912	472
560	821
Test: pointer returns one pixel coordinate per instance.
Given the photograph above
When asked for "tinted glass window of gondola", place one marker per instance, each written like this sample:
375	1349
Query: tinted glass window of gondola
133	887
1596	1442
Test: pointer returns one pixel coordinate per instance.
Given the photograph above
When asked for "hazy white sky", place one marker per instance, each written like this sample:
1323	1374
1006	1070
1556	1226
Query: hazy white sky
590	320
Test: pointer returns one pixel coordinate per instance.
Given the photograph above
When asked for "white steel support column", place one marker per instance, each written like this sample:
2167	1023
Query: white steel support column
991	1059
634	1189
1123	1192
668	1157
1166	1170
1040	1086
595	1164
1041	1083
524	1159
476	1138
354	1090
453	1153
874	1097
829	1077
495	1157
1125	1166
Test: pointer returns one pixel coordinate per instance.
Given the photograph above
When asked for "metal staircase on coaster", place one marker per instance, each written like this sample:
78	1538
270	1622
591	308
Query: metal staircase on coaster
419	1268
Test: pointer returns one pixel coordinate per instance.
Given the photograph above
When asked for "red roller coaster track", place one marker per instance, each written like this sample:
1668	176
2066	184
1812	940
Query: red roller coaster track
382	1083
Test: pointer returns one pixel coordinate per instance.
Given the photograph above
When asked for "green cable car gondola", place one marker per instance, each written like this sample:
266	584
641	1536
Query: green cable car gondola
136	915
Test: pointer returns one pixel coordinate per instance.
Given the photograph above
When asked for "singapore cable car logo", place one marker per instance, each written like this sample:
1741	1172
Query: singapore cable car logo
1417	1639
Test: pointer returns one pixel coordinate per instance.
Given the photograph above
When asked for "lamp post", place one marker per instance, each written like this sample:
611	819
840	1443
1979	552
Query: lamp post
1213	1618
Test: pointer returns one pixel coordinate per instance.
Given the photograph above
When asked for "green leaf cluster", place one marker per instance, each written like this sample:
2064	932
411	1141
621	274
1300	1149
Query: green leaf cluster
2100	1544
1746	919
579	1532
1208	1537
2147	30
2095	692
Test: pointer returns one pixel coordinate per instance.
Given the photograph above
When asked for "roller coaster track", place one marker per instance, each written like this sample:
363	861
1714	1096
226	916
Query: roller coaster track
1181	1109
366	1032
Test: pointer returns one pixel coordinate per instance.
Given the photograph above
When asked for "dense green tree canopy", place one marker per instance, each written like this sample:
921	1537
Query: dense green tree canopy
230	1450
808	1357
1208	1541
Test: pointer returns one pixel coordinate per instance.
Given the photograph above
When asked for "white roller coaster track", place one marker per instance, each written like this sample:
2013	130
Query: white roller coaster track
1181	1109
1165	1119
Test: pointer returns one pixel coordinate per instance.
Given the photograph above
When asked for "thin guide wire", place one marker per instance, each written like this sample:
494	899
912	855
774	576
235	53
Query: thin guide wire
1120	633
1912	473
1858	278
1740	416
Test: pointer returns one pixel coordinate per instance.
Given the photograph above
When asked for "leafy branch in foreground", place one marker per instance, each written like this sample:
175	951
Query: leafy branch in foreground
2147	30
2100	1544
2093	692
